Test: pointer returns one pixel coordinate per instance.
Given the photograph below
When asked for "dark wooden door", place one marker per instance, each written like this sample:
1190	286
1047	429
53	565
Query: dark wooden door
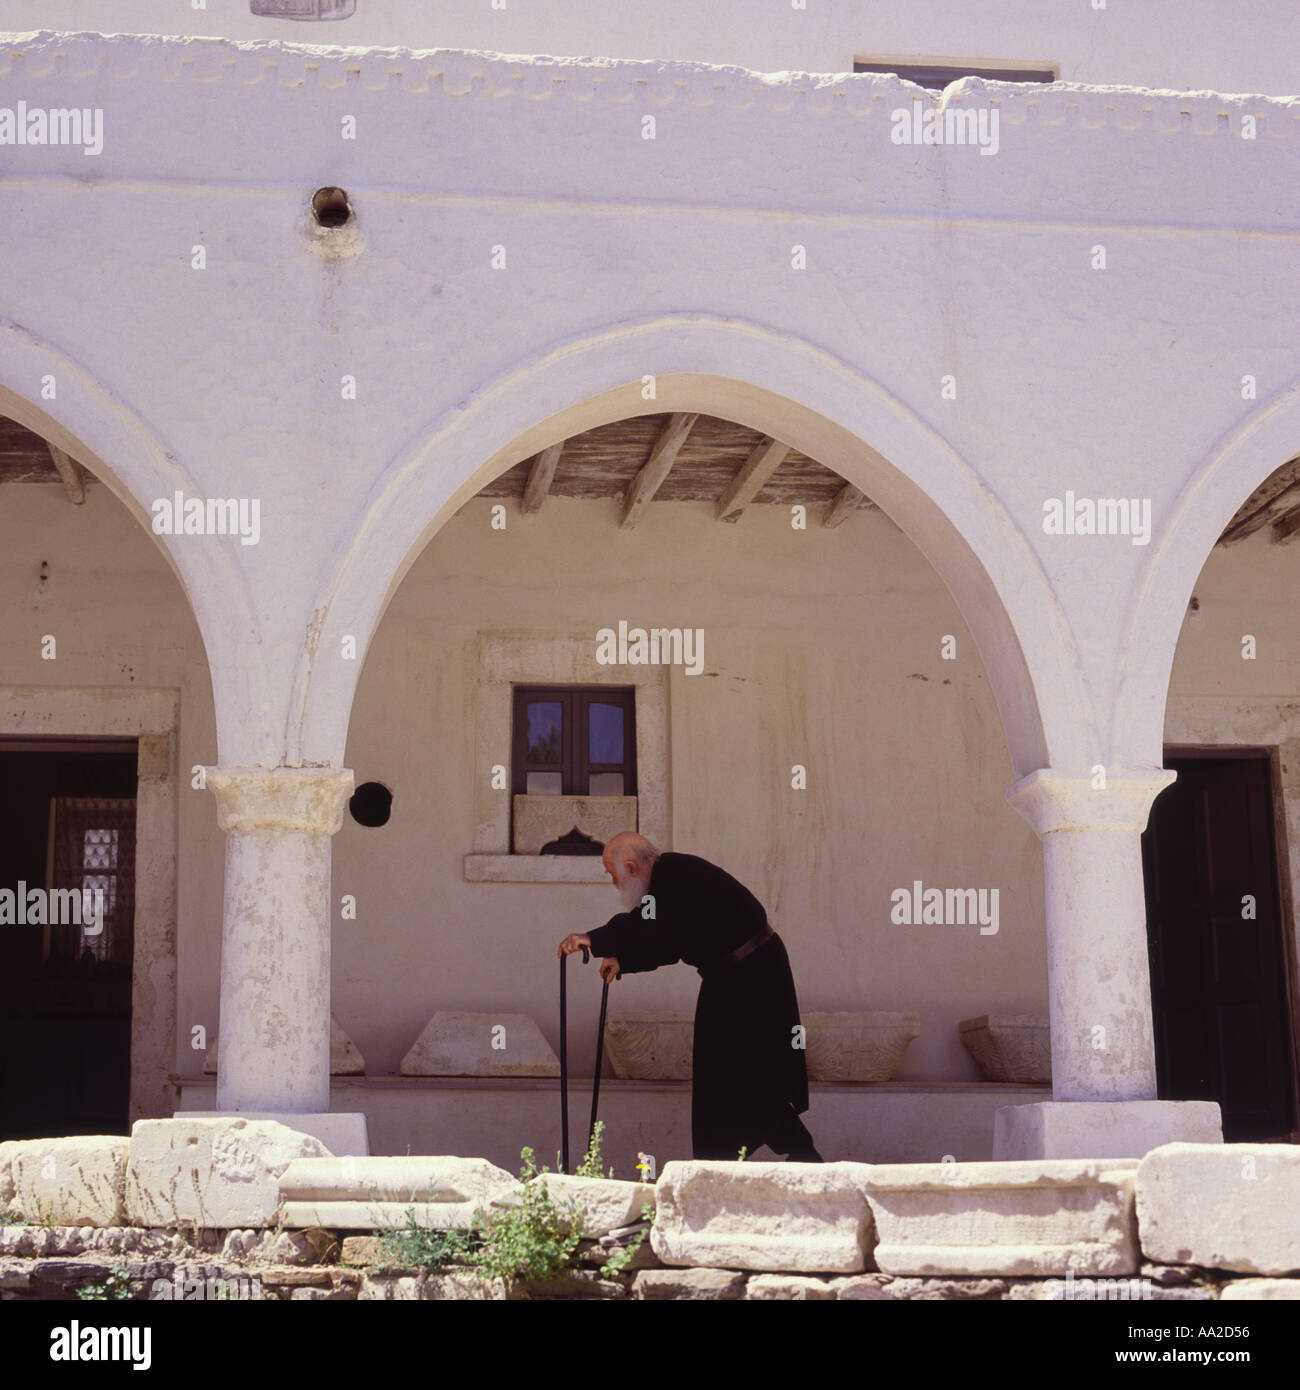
1218	975
65	1026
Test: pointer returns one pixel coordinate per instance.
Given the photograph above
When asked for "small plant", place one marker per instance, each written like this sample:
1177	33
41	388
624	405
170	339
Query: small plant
117	1285
420	1247
590	1165
12	1218
740	1157
530	1239
620	1260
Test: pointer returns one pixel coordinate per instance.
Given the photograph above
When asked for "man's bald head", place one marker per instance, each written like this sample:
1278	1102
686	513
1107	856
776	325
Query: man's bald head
629	859
629	848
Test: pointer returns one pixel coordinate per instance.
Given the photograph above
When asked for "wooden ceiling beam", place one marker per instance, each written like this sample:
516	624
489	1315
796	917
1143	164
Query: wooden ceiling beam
649	480
845	503
540	477
69	471
1273	498
768	456
1286	527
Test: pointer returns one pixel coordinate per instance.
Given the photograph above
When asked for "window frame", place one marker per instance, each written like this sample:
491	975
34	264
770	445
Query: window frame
506	658
575	765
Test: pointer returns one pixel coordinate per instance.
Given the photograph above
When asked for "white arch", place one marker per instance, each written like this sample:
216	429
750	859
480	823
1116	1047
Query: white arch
97	428
1239	462
739	370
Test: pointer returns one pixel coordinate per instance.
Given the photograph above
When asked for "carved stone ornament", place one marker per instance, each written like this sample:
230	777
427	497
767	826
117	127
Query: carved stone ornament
1009	1047
656	1044
651	1044
858	1046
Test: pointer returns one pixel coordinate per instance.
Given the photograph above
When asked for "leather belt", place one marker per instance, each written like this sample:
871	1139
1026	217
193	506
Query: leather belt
748	949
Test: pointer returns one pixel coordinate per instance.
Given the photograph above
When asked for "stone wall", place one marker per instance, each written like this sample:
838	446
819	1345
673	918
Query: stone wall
54	1263
246	1209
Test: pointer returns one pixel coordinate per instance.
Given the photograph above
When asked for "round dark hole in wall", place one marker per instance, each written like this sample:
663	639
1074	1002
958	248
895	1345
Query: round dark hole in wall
371	804
330	207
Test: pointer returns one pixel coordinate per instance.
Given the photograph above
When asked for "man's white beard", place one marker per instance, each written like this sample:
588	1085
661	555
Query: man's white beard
633	890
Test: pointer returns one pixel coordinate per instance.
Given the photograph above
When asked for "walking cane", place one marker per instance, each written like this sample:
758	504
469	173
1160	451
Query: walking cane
564	1060
600	1057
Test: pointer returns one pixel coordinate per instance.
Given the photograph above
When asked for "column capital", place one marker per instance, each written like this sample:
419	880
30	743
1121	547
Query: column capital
1051	800
284	798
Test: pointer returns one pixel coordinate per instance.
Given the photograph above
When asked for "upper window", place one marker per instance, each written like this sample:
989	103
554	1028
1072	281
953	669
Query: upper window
304	9
937	76
574	741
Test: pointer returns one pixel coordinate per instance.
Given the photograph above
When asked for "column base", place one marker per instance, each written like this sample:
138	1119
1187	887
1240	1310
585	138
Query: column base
343	1134
1102	1128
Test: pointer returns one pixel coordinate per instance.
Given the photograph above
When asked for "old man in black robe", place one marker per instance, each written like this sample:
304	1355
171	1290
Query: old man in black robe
750	1077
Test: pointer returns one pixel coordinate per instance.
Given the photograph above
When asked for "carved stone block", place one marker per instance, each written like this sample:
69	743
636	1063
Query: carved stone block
651	1044
1009	1047
865	1046
540	819
480	1044
656	1044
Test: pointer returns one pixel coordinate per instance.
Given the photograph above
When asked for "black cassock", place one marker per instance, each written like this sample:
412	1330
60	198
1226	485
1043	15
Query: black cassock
750	1078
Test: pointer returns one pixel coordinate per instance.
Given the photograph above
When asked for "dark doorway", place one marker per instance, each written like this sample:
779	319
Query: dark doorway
67	821
1218	975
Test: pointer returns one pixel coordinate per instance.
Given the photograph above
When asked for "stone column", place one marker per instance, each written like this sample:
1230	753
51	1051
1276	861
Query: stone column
275	941
1099	981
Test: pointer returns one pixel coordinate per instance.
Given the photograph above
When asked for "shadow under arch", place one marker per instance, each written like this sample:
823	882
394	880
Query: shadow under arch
92	425
1237	464
742	371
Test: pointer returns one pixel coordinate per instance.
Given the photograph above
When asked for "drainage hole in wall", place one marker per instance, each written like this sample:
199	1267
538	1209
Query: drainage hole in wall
371	804
330	207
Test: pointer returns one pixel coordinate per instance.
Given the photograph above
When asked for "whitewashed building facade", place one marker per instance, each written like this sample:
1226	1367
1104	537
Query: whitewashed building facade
1004	427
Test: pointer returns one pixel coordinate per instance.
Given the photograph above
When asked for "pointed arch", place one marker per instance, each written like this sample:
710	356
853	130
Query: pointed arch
96	427
742	371
1238	463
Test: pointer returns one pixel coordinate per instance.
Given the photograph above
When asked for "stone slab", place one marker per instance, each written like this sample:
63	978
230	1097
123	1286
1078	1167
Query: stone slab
377	1215
218	1173
862	1287
789	1217
1034	1218
712	1285
1101	1129
1222	1206
73	1181
604	1204
467	1287
409	1178
341	1133
798	1288
1251	1290
572	1284
480	1044
389	1288
8	1148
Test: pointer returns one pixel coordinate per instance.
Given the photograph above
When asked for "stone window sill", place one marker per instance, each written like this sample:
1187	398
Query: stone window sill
534	868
